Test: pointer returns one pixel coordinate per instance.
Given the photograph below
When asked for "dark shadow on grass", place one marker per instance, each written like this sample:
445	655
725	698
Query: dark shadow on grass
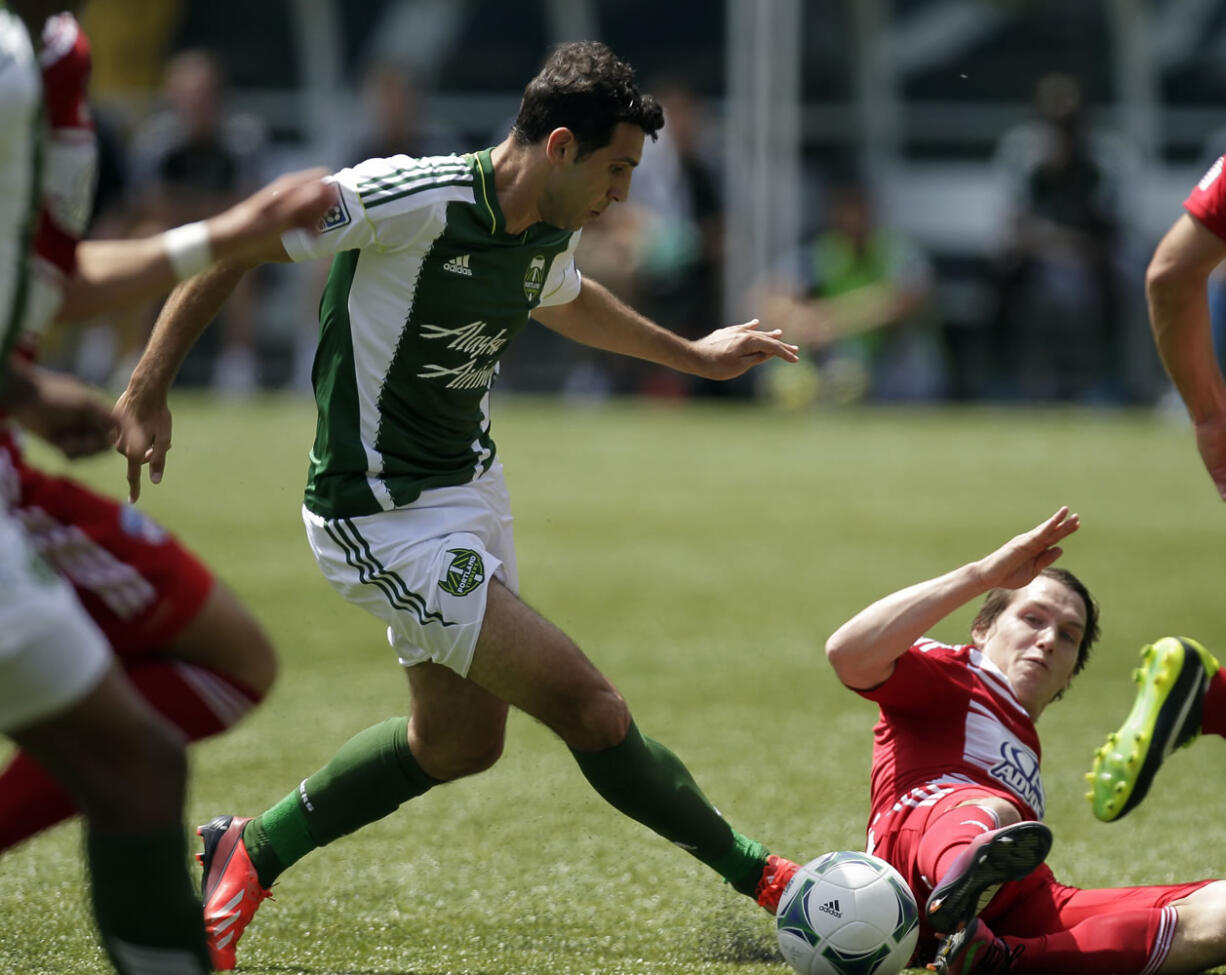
733	936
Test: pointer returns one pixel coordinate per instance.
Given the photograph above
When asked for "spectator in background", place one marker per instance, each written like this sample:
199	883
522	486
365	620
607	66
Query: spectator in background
395	122
680	233
859	298
1057	324
191	159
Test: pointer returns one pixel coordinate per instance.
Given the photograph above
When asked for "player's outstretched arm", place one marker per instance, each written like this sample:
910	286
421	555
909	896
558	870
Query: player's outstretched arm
599	319
118	273
143	405
62	410
863	650
1175	286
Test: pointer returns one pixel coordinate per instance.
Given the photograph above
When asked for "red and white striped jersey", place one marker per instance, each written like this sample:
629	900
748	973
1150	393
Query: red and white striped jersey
1207	201
70	167
949	716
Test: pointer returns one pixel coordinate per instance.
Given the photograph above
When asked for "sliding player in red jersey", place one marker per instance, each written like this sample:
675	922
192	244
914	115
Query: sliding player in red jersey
957	795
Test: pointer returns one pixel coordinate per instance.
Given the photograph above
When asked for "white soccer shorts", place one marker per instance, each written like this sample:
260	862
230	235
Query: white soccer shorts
424	569
51	653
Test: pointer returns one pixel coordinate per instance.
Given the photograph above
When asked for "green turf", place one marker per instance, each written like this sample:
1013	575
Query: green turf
700	556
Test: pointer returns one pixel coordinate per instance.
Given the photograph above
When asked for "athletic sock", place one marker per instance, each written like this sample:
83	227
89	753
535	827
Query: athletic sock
648	783
948	835
197	700
368	778
148	914
1127	941
1213	711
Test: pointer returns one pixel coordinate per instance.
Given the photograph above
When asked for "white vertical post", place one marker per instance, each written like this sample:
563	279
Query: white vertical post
876	87
761	143
317	29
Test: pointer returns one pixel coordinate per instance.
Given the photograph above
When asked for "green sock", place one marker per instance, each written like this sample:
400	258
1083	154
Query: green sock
371	775
148	913
648	783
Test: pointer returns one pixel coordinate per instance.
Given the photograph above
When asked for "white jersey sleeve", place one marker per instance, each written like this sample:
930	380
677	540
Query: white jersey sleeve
564	282
388	204
20	101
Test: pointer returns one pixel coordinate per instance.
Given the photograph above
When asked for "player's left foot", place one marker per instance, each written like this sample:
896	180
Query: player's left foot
1165	715
775	876
231	887
972	880
974	951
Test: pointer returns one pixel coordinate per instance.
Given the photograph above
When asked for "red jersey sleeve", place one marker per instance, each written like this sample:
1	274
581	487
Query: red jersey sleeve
1207	201
921	678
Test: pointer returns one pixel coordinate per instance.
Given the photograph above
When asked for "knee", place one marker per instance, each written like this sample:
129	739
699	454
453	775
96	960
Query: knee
254	660
449	758
1006	813
596	720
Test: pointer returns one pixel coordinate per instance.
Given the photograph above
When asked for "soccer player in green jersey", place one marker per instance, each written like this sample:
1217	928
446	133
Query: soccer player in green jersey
436	264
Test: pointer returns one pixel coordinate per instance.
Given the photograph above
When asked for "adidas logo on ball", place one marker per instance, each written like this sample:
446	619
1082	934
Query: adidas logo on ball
832	908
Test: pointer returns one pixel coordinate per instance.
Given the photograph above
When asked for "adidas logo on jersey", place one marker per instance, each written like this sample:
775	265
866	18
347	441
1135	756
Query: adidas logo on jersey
459	265
831	908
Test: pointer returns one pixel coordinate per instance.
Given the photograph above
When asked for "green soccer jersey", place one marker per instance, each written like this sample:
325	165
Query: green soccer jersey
426	291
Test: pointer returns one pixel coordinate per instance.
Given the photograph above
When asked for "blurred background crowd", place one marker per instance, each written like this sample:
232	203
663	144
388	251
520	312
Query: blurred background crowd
939	199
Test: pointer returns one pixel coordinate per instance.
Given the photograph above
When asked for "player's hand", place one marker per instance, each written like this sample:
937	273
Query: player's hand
1211	442
67	414
1019	560
294	200
144	436
729	352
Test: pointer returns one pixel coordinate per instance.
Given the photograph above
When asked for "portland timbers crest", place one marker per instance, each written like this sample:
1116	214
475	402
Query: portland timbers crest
465	573
534	277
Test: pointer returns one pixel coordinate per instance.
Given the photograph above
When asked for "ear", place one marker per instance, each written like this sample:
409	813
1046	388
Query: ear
561	146
978	635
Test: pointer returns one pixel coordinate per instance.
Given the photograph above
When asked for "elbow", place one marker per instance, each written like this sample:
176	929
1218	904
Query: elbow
838	654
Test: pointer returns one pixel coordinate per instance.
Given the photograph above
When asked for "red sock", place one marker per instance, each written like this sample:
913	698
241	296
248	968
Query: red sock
948	836
199	701
1129	941
1213	716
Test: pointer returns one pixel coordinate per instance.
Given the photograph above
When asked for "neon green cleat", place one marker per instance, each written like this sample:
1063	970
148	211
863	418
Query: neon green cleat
1166	715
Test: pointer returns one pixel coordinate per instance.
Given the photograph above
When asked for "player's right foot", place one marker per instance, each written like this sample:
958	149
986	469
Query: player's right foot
231	888
775	876
972	880
1166	715
974	951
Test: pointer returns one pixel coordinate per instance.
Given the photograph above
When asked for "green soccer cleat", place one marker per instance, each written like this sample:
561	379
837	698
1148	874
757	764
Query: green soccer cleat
1166	715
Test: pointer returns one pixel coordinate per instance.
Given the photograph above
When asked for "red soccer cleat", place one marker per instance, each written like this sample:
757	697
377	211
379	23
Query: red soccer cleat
231	888
775	876
972	880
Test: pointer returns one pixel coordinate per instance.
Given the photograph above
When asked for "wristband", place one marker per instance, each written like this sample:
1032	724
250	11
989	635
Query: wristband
188	249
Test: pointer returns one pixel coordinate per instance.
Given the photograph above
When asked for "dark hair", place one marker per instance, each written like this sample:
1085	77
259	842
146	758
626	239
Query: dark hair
998	599
584	87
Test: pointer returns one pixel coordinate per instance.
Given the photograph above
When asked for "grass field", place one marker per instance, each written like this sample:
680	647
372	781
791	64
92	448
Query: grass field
700	556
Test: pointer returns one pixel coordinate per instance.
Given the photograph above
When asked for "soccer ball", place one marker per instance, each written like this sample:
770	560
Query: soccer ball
847	913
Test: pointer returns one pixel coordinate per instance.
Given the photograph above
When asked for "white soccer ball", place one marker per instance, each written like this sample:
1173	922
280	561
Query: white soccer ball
847	913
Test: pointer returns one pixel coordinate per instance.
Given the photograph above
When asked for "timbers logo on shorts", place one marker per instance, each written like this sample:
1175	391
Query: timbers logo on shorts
465	573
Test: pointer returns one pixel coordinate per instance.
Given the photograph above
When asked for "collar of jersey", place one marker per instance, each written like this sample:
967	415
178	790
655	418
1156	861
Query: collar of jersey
487	201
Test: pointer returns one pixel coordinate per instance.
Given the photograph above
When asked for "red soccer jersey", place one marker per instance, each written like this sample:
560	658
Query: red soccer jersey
1207	201
949	716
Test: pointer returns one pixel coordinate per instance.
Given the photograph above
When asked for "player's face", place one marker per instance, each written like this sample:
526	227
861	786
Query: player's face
1034	641
580	190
